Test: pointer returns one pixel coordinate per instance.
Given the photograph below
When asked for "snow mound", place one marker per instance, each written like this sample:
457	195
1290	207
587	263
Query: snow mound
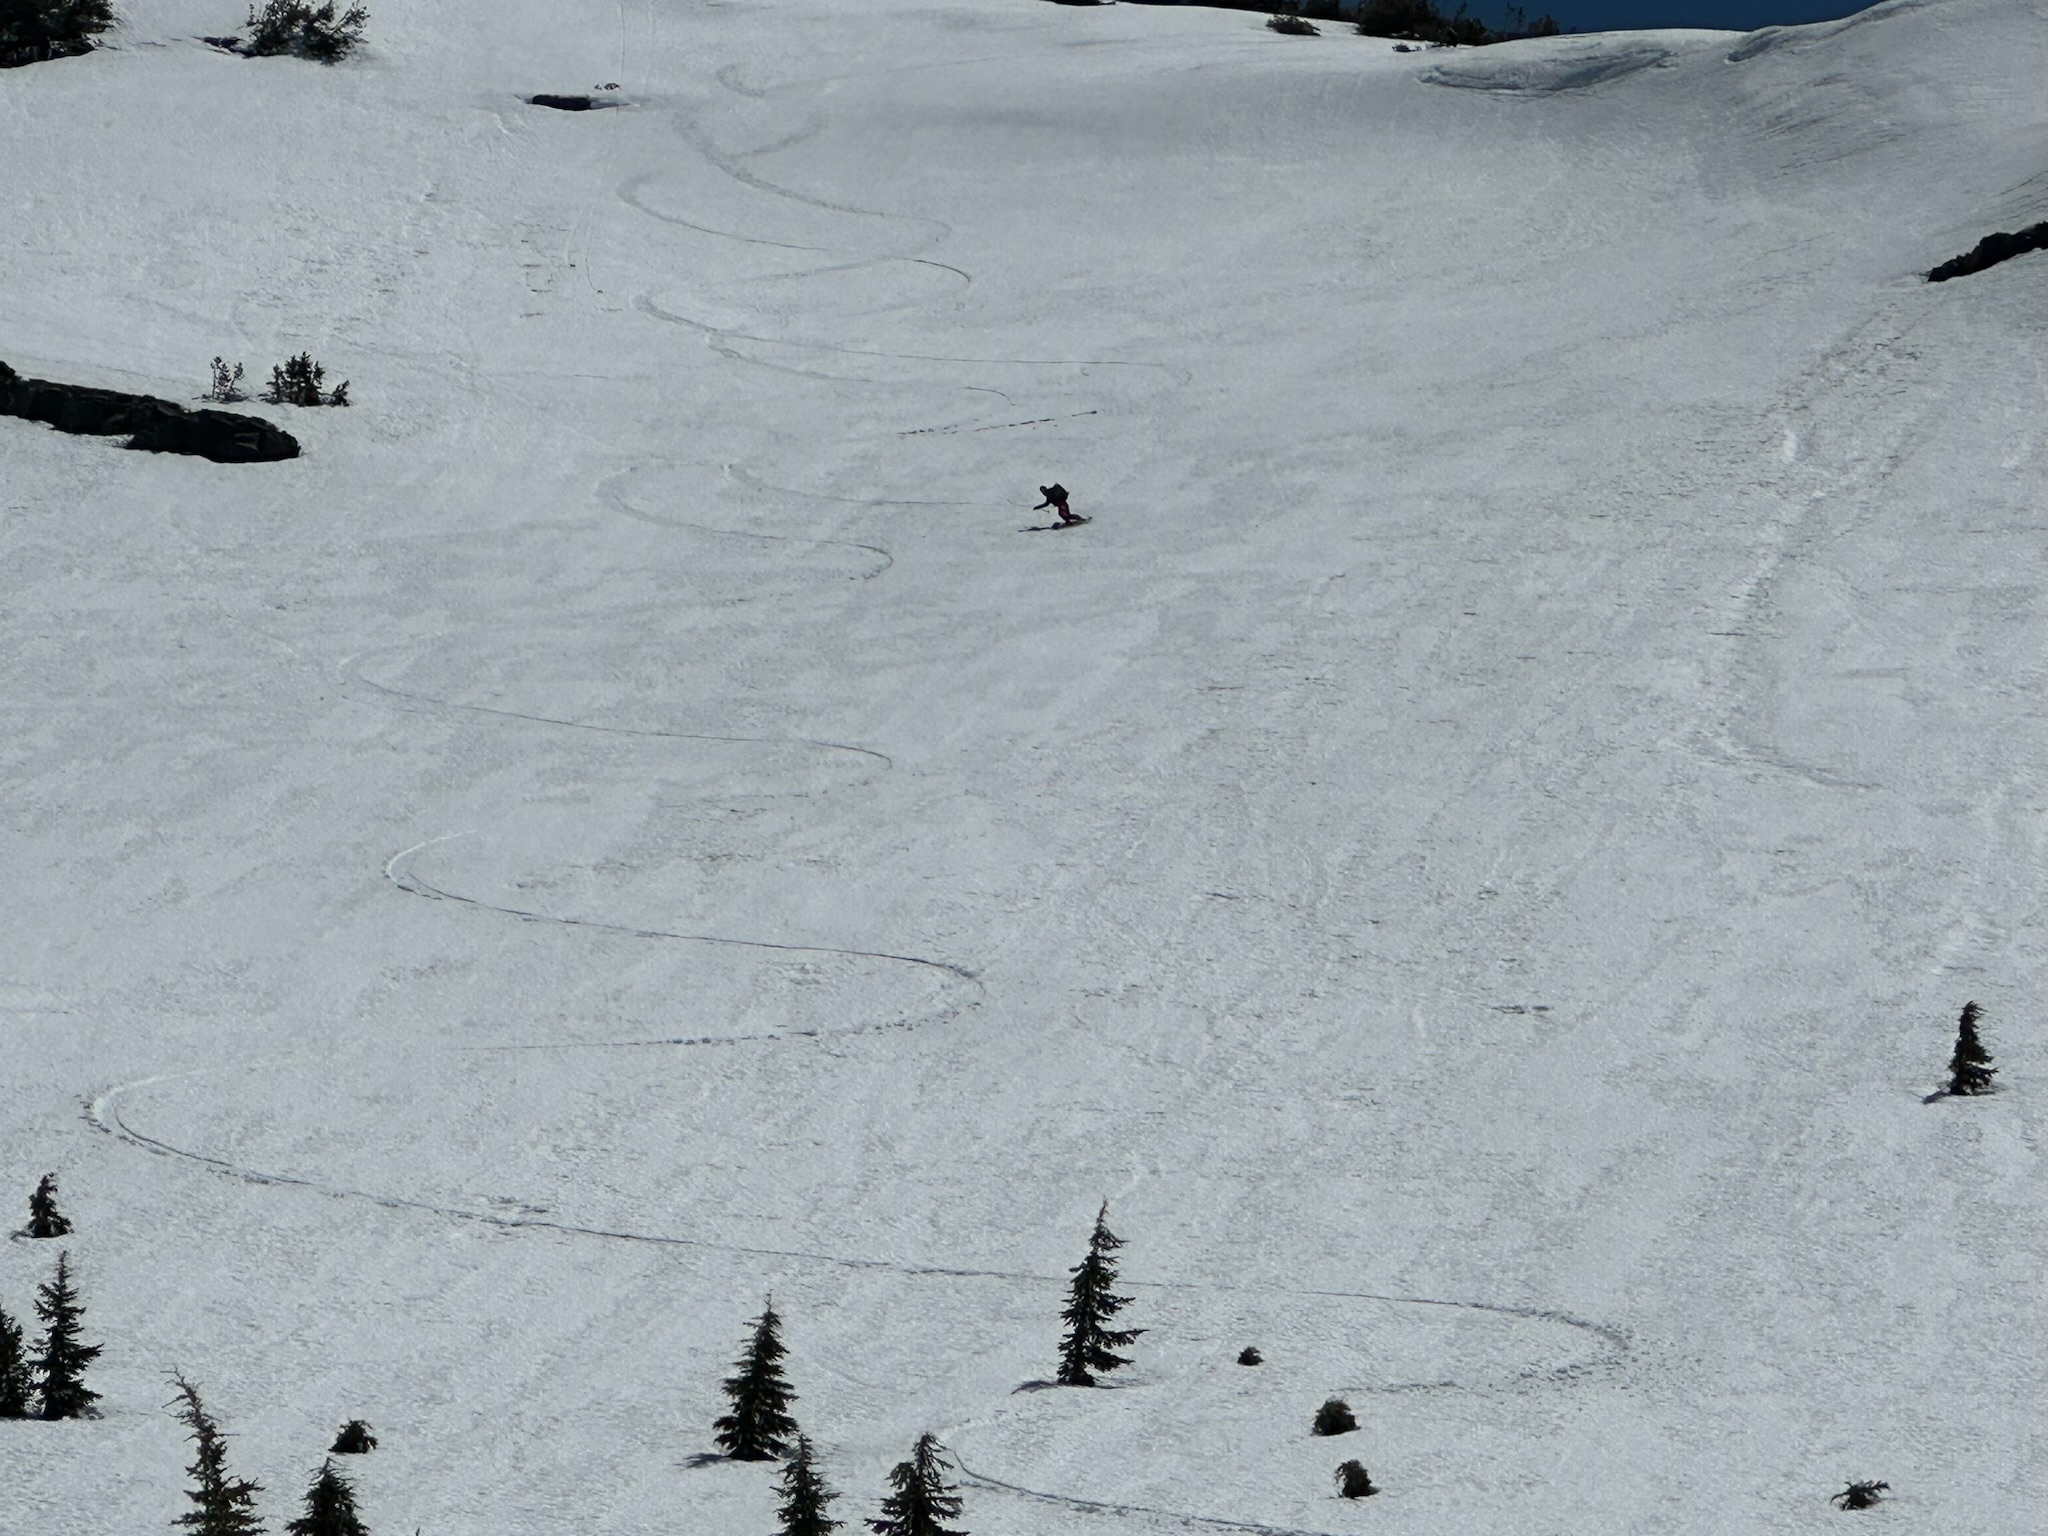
1558	64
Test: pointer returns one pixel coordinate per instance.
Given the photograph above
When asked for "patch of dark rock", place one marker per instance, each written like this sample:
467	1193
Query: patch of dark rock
1991	250
152	424
569	103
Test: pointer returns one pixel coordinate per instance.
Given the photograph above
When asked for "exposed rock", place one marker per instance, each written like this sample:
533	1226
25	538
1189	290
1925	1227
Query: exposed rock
156	425
1991	250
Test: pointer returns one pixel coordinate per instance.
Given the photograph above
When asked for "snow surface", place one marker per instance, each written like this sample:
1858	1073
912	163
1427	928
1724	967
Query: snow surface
1476	851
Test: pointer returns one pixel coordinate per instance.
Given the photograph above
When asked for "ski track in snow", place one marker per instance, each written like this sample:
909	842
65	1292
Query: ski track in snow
103	1110
351	677
609	492
1124	1511
398	871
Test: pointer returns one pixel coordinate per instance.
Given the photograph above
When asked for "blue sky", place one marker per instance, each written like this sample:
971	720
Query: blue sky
1736	15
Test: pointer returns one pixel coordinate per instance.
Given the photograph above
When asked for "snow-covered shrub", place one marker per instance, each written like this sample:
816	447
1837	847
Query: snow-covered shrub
308	30
1335	1418
32	31
1287	18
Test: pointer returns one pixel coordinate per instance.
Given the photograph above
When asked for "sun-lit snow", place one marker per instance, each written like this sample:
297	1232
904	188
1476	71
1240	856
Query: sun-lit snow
1476	851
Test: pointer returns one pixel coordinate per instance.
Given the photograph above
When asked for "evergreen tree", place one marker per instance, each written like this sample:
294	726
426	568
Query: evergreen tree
1354	1482
1970	1070
1334	1418
330	1507
64	1359
759	1425
14	1372
222	1505
923	1500
44	1219
804	1496
1091	1343
35	30
353	1439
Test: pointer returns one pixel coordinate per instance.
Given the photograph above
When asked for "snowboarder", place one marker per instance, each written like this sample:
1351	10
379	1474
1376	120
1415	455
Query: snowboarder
1056	498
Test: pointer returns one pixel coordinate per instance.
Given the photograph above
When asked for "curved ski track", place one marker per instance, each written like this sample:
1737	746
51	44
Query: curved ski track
103	1109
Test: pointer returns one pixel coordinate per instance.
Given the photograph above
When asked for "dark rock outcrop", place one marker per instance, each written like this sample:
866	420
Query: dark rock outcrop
563	103
156	425
1991	250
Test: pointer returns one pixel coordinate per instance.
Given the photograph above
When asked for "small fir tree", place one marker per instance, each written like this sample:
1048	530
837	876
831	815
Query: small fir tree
15	1379
1861	1495
300	27
297	381
353	1439
1354	1482
804	1496
32	31
923	1501
1335	1418
63	1360
330	1507
44	1219
1970	1070
221	1505
759	1426
1091	1344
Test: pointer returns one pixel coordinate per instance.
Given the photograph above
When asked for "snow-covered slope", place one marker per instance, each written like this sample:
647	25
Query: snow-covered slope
1476	851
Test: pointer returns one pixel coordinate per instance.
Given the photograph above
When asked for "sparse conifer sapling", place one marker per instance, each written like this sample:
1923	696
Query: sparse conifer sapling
804	1496
1354	1482
1091	1344
44	1219
222	1505
1861	1495
61	1365
1970	1070
1335	1418
759	1426
227	383
330	1507
15	1380
923	1500
354	1439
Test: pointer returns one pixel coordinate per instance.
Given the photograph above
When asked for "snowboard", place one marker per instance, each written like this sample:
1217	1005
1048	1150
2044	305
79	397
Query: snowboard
1049	527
